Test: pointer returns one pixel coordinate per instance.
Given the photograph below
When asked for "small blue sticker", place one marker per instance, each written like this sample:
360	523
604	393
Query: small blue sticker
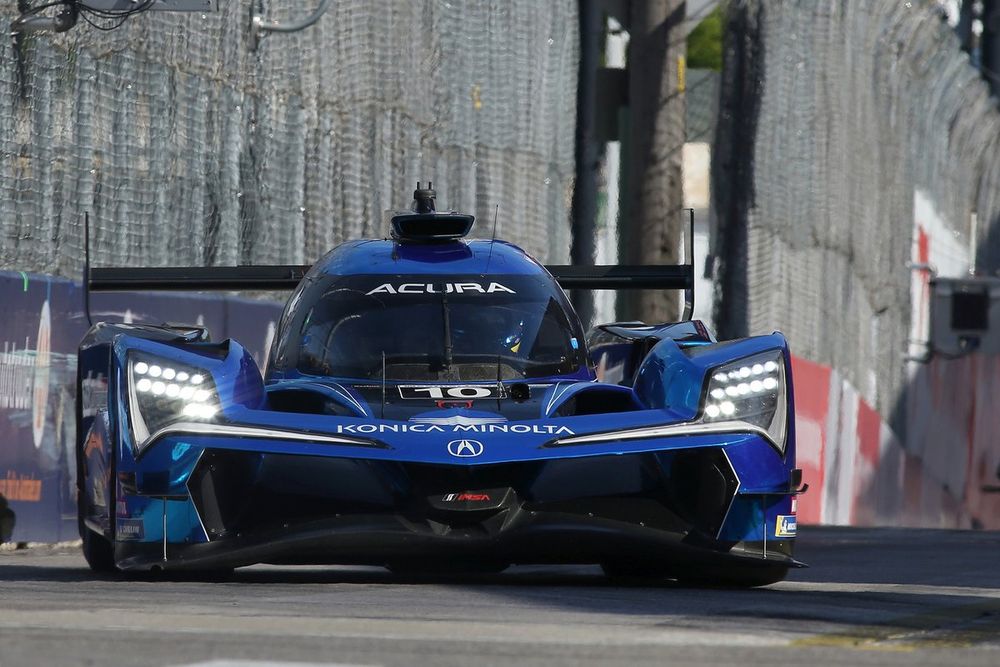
785	526
129	529
574	343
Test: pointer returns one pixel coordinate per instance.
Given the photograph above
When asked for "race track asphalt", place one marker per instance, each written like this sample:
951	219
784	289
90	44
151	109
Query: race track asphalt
871	597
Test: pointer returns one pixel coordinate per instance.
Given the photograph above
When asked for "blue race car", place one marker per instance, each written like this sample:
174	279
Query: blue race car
432	403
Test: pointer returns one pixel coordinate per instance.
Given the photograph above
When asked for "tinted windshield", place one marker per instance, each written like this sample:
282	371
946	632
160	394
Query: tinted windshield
453	328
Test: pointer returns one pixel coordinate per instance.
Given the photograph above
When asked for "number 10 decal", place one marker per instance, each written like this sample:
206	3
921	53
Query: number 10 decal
465	393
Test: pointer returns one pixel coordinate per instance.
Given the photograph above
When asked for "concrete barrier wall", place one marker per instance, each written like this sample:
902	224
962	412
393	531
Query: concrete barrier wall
41	324
860	473
859	470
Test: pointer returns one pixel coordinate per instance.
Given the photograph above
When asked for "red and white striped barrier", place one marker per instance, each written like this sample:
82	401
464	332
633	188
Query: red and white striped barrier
860	473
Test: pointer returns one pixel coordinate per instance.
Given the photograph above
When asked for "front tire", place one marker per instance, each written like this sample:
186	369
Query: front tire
97	550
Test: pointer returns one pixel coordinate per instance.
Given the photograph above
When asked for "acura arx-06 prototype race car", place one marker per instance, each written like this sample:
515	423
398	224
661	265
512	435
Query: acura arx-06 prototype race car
433	403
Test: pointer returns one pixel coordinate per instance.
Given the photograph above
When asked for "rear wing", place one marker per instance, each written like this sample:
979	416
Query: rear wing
288	276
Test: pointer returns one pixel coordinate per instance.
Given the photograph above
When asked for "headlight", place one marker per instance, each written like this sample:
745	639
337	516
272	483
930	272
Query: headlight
749	391
747	395
161	392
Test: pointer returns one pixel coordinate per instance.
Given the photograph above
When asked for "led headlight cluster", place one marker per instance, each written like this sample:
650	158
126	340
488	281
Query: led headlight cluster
746	396
162	392
744	386
752	391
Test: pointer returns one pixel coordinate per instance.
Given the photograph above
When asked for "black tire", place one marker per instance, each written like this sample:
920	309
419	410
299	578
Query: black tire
6	521
98	551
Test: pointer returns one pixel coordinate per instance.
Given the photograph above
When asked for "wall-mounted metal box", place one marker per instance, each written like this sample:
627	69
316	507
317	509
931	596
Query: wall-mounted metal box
965	315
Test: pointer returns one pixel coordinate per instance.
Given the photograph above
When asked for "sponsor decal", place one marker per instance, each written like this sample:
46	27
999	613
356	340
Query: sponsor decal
469	392
459	420
129	529
17	373
465	448
785	526
467	497
23	488
446	288
41	385
420	427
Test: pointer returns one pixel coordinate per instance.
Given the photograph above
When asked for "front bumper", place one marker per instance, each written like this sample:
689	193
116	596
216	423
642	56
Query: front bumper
680	507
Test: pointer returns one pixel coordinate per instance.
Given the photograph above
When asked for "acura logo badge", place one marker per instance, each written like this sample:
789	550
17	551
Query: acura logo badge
465	448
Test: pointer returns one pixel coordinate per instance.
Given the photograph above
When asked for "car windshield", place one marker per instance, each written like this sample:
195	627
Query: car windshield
449	328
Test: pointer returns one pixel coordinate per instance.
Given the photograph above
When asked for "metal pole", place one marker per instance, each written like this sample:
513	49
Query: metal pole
584	209
656	64
964	27
990	51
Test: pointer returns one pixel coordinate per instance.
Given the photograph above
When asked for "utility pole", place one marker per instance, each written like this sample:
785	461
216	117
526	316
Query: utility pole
652	220
964	27
989	57
584	212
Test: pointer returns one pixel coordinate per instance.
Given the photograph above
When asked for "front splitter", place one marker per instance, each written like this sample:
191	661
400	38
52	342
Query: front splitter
533	537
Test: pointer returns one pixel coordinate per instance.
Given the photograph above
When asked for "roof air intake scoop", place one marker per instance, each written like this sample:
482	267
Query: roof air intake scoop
424	224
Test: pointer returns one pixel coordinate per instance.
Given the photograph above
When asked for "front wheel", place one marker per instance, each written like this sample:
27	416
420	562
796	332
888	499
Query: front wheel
6	521
97	550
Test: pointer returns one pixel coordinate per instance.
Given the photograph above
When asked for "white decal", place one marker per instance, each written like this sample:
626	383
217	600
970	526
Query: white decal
459	420
452	392
432	392
785	526
466	392
469	392
465	448
41	383
449	288
418	427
